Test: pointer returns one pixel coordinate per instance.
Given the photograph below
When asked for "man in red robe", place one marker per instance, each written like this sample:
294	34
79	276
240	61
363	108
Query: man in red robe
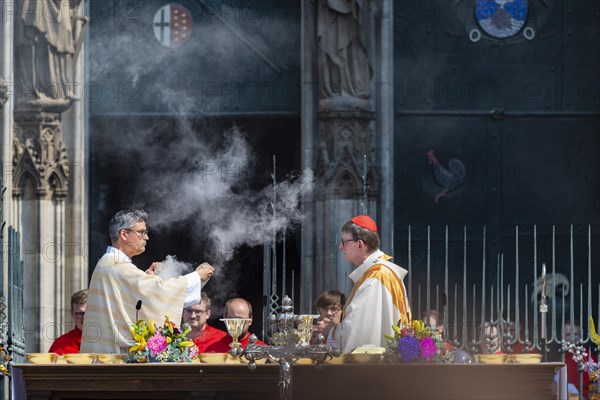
70	342
235	308
197	316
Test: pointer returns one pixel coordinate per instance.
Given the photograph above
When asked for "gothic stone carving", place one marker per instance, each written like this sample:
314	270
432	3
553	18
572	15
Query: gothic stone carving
47	46
40	155
3	93
345	63
344	139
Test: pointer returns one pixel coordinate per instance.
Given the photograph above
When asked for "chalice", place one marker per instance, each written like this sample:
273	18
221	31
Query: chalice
235	326
305	325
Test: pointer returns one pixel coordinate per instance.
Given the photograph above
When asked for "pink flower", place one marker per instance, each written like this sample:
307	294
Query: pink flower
157	344
192	351
428	348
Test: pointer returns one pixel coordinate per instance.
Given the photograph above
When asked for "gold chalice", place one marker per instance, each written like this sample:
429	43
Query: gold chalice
305	326
235	326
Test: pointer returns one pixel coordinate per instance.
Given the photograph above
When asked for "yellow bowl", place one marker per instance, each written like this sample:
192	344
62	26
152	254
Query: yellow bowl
526	358
336	360
304	361
244	360
491	358
42	358
80	358
365	358
213	358
111	358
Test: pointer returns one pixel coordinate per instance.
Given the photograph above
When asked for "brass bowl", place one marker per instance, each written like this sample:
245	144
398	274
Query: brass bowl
213	358
336	360
41	358
80	358
244	360
112	358
365	358
491	358
304	361
526	358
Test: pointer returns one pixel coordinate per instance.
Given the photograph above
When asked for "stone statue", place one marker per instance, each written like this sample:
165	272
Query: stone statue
47	49
345	69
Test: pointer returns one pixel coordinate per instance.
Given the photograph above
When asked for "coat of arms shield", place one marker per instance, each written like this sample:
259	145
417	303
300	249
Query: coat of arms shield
501	18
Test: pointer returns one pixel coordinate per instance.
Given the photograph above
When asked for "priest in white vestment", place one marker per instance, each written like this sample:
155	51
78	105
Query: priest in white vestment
378	299
117	286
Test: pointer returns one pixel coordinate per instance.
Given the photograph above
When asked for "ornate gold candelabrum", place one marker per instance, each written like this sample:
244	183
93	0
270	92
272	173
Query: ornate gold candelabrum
290	342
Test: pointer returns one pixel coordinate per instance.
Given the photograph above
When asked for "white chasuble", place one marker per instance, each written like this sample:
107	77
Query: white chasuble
377	302
115	288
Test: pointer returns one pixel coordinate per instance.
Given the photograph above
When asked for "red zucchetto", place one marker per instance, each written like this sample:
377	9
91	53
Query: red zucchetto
366	222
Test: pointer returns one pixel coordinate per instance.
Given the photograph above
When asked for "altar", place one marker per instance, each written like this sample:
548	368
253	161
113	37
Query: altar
346	381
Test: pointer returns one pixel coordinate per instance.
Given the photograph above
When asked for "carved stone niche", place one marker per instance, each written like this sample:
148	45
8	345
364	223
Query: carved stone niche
344	139
40	155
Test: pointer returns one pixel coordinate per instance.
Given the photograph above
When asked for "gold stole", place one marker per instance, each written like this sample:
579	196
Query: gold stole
389	279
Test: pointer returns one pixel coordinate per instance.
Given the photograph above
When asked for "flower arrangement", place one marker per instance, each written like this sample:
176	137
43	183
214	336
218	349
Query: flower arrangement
416	342
165	343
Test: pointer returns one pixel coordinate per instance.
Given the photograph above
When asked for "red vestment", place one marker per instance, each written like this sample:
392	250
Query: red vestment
208	336
68	343
222	346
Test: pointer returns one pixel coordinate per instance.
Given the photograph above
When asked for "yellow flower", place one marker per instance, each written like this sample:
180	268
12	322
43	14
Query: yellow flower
417	325
593	334
151	327
186	343
138	346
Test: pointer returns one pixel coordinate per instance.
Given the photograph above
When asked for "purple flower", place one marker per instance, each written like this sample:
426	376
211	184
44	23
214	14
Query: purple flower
428	348
408	347
157	343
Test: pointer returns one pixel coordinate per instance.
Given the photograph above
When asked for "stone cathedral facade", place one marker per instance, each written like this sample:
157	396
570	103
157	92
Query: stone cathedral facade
418	113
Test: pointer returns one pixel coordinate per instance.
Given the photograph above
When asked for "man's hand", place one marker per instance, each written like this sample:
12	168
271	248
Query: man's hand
205	270
323	327
152	269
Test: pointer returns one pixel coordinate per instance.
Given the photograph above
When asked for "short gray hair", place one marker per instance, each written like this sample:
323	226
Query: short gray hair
124	219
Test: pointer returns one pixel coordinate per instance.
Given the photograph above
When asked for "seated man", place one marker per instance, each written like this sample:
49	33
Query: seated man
330	304
491	342
234	308
196	316
434	320
70	342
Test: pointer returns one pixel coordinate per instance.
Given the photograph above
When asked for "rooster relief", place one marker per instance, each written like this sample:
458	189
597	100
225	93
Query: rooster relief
448	178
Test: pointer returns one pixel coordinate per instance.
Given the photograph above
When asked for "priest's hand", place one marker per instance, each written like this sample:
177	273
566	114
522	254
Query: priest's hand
152	269
205	270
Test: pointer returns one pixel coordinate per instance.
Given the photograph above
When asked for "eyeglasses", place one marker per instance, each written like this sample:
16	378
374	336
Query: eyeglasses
199	312
343	242
79	314
141	233
332	309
